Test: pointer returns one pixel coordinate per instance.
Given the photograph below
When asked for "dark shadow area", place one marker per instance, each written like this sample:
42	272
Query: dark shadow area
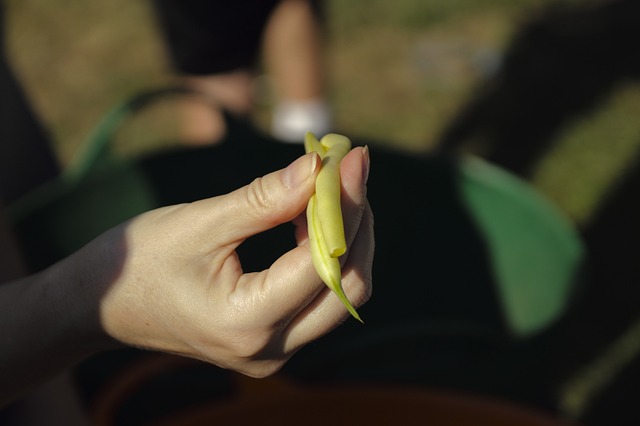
560	66
610	301
604	310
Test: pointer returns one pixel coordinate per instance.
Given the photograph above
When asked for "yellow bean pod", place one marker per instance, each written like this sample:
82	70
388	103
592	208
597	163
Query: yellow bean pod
324	214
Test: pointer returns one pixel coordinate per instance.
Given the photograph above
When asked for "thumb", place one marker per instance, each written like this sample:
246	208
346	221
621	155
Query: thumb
268	201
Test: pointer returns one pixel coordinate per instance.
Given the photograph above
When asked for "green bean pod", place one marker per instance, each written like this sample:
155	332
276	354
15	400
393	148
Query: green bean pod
324	214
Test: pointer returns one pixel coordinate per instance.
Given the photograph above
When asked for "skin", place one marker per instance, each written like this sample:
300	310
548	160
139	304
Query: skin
170	280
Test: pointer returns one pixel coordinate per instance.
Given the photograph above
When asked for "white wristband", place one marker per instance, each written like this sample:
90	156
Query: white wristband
292	119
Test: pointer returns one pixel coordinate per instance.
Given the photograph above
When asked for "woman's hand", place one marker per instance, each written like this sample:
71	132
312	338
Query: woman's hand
171	280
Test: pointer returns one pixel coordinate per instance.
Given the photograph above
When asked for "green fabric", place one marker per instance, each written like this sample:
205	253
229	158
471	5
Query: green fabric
60	218
98	191
535	251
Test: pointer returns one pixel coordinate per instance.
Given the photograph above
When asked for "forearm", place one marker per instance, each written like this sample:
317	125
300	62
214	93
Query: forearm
171	280
46	327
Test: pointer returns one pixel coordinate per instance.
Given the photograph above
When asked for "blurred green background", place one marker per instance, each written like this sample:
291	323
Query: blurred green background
398	73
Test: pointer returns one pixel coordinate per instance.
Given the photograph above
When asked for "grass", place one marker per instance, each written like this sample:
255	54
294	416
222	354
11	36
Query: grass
592	155
78	58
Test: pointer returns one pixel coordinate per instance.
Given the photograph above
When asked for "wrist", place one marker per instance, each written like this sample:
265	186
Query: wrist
72	292
46	327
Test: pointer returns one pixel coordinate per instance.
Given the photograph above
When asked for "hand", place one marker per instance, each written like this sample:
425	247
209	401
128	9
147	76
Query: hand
171	280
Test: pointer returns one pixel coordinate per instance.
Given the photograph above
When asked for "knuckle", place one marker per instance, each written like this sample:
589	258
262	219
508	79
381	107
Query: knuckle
365	293
368	292
264	369
258	197
250	346
369	216
361	291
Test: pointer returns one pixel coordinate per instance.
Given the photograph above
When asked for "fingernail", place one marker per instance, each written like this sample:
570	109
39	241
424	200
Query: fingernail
300	170
366	164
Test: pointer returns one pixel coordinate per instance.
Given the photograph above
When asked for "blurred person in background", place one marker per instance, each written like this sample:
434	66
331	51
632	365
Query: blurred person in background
216	46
